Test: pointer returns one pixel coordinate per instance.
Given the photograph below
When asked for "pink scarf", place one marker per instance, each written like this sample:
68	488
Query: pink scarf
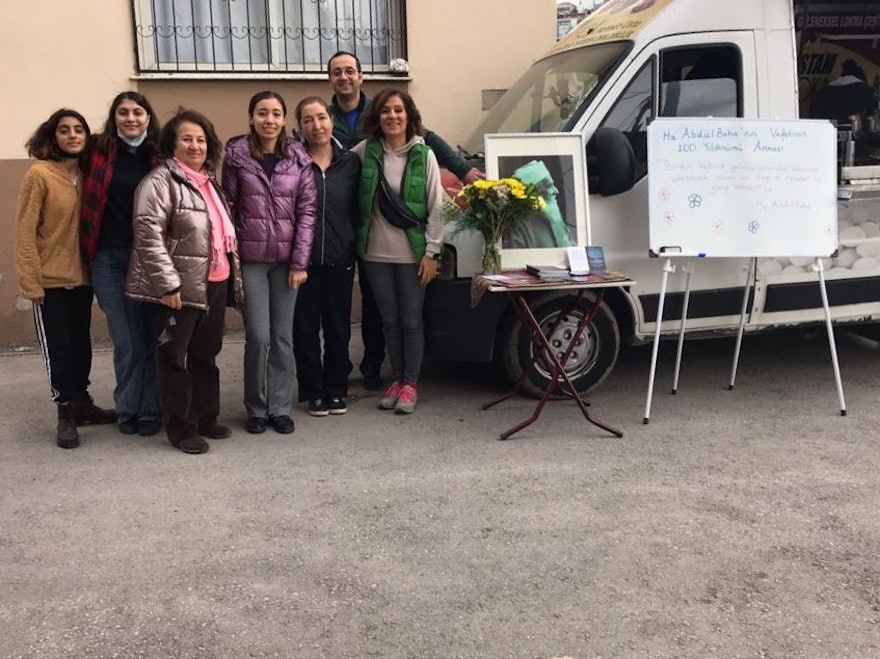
222	231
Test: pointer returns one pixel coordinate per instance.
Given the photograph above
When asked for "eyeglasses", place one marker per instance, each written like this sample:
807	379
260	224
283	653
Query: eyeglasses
349	71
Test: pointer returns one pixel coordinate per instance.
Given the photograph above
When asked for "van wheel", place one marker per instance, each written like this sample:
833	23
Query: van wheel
593	356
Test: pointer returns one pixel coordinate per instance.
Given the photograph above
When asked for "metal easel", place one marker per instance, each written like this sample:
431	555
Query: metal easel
751	279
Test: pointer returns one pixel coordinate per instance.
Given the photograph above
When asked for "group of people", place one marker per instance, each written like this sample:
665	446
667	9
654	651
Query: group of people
136	217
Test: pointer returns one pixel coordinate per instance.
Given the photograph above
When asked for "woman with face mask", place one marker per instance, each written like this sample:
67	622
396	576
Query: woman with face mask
268	181
120	158
51	269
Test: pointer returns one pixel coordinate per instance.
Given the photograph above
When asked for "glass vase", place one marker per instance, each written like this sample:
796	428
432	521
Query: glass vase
491	258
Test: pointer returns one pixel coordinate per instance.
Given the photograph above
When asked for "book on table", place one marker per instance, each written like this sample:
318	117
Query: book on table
599	278
549	271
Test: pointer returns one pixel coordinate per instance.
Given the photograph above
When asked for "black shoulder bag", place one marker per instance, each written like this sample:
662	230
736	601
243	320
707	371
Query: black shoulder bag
393	207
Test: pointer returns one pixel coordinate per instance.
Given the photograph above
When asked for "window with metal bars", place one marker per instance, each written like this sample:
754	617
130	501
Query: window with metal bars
266	36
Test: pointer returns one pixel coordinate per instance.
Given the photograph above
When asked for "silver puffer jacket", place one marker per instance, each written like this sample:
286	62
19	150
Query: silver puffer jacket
172	240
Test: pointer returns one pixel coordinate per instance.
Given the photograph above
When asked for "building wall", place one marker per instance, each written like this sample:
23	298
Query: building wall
80	54
458	48
52	54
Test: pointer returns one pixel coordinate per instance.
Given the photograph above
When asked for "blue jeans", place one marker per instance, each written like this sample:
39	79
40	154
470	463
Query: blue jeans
136	393
400	297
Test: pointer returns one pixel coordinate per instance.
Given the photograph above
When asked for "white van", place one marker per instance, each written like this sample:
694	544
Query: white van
632	61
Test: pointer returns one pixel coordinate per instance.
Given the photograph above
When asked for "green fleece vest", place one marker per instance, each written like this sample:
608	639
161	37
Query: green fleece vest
414	193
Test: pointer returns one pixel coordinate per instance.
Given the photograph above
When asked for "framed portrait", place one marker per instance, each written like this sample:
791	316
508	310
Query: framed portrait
557	164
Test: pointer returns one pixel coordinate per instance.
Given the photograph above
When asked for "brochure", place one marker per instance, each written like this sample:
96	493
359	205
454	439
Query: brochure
577	260
596	259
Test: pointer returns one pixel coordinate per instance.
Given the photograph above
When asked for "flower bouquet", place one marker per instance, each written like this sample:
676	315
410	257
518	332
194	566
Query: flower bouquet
493	208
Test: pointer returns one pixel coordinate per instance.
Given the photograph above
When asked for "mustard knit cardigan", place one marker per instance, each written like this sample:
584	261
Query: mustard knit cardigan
47	253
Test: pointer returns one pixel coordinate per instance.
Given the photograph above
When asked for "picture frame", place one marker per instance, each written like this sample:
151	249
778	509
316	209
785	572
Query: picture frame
558	162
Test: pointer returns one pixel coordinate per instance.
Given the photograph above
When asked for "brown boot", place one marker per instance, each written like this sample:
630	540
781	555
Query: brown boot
214	430
66	436
192	444
87	413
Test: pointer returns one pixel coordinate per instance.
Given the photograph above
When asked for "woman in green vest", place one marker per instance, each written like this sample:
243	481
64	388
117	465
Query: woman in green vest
399	262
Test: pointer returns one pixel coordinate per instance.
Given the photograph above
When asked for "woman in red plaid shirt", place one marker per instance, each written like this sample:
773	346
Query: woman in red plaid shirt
120	157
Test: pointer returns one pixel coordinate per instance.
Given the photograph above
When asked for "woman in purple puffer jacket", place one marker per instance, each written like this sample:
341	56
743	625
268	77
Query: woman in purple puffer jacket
267	179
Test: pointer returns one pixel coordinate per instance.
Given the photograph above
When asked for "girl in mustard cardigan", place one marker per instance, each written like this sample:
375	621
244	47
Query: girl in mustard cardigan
52	271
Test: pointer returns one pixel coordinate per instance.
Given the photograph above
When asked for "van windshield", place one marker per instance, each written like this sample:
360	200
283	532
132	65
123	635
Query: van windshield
549	96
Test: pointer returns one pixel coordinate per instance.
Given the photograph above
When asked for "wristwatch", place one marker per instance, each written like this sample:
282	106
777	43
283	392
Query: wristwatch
435	256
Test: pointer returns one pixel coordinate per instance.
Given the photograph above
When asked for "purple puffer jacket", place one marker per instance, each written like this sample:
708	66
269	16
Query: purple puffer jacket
274	219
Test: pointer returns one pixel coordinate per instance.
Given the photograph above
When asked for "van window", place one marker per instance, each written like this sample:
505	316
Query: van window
552	94
701	82
632	113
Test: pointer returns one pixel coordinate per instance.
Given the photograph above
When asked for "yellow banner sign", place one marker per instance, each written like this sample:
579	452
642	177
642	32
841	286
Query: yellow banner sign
616	20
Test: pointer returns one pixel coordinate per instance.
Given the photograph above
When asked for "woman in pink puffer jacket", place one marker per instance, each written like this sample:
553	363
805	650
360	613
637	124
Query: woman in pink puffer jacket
267	179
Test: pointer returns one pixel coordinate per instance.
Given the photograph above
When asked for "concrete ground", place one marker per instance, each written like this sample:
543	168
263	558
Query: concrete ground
738	523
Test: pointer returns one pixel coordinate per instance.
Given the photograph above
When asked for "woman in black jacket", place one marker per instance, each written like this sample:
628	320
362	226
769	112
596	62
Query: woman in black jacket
324	300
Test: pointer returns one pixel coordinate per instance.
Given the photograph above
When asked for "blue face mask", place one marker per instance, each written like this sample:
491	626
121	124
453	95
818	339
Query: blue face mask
133	143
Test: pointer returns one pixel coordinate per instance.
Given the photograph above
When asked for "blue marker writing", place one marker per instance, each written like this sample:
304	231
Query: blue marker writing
702	255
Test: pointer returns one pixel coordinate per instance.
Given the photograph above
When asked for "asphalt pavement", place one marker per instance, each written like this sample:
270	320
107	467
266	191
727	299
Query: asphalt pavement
737	523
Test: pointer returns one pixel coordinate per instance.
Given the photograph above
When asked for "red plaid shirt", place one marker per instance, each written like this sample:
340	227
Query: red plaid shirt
96	182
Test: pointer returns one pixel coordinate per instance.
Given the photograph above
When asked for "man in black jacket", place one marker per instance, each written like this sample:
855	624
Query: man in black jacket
348	108
845	96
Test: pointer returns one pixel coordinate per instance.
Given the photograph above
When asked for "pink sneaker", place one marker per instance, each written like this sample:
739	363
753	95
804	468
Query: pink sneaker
389	400
406	401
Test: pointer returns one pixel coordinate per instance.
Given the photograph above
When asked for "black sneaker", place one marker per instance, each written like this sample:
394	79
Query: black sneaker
318	407
128	426
147	427
256	424
282	424
337	405
372	381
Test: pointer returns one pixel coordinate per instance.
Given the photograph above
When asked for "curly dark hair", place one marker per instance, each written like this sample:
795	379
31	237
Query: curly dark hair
42	145
169	135
108	131
372	126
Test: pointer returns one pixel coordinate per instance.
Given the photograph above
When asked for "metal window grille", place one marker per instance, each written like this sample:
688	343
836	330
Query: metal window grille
266	36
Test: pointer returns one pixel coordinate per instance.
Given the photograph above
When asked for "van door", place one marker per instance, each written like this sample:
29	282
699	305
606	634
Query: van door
705	74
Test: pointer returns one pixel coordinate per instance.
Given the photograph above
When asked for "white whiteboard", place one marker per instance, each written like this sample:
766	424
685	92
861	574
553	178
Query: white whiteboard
742	188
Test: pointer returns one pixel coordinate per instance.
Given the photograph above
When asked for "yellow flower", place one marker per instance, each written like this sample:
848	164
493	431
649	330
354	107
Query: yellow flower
492	207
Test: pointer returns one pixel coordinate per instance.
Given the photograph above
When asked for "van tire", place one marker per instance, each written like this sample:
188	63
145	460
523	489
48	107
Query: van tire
592	360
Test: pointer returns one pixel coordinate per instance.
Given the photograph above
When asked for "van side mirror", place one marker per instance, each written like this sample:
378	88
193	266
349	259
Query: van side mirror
611	162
